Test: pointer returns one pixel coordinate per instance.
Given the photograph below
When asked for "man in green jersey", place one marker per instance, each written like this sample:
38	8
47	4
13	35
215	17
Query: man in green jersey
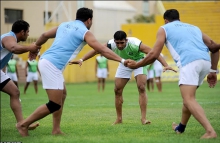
12	70
128	48
31	73
101	68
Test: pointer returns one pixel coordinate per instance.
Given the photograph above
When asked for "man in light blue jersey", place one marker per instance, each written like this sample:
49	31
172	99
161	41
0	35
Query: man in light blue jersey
189	48
70	37
128	48
10	46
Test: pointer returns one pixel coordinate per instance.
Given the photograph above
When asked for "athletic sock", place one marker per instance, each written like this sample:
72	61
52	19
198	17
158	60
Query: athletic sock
180	128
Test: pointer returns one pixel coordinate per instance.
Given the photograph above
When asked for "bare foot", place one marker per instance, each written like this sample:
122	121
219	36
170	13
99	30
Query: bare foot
117	122
22	130
146	122
209	135
33	126
174	125
58	133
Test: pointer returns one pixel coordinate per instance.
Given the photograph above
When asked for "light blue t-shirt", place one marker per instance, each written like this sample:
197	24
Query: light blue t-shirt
6	54
68	42
185	43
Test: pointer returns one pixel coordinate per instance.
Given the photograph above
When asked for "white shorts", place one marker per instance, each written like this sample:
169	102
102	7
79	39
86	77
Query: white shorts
52	77
150	74
4	76
125	72
158	72
194	72
32	76
12	76
102	73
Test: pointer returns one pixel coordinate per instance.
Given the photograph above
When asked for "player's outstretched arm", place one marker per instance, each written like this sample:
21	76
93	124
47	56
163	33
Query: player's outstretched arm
46	35
213	47
109	54
154	53
87	56
11	44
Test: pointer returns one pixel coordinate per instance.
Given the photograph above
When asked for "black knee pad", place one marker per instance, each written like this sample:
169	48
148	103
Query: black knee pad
52	106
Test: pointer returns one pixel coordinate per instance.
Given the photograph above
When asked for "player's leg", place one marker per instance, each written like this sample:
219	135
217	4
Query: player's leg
158	83
141	78
191	76
35	80
54	104
11	89
58	114
35	86
141	83
104	76
119	86
99	83
122	76
103	84
99	80
15	79
188	95
26	86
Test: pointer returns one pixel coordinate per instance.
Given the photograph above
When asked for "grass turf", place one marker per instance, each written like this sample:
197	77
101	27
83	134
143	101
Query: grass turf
88	116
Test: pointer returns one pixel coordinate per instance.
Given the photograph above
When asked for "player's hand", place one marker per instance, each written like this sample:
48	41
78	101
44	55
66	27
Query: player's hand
34	48
130	64
212	79
168	68
79	62
32	55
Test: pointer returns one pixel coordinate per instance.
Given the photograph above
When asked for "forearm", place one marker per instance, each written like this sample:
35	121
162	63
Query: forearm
109	54
214	60
150	58
19	49
43	39
89	55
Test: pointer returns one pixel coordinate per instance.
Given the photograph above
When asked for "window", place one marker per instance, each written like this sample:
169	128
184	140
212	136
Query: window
48	14
12	15
145	8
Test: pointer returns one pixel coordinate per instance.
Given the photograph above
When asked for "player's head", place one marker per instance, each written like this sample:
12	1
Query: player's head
120	39
21	28
85	15
171	15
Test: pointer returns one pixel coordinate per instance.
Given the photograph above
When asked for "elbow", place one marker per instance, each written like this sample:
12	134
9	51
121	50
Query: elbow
213	50
154	55
13	50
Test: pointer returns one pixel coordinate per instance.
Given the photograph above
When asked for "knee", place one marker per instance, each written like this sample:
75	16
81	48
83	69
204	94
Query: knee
52	106
118	91
15	93
141	88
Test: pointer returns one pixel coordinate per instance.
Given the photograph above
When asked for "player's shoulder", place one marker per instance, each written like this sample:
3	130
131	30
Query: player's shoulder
134	40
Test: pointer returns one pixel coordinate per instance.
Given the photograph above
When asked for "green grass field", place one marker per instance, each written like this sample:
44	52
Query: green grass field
88	116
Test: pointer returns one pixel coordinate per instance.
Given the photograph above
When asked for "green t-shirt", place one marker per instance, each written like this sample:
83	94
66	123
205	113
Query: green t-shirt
11	67
131	51
102	62
32	66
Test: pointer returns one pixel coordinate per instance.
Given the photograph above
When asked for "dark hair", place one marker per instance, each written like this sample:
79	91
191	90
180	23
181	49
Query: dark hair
20	25
171	15
120	35
84	14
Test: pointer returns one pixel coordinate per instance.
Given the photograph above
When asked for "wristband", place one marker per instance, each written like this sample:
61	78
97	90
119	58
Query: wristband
122	61
81	60
211	70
